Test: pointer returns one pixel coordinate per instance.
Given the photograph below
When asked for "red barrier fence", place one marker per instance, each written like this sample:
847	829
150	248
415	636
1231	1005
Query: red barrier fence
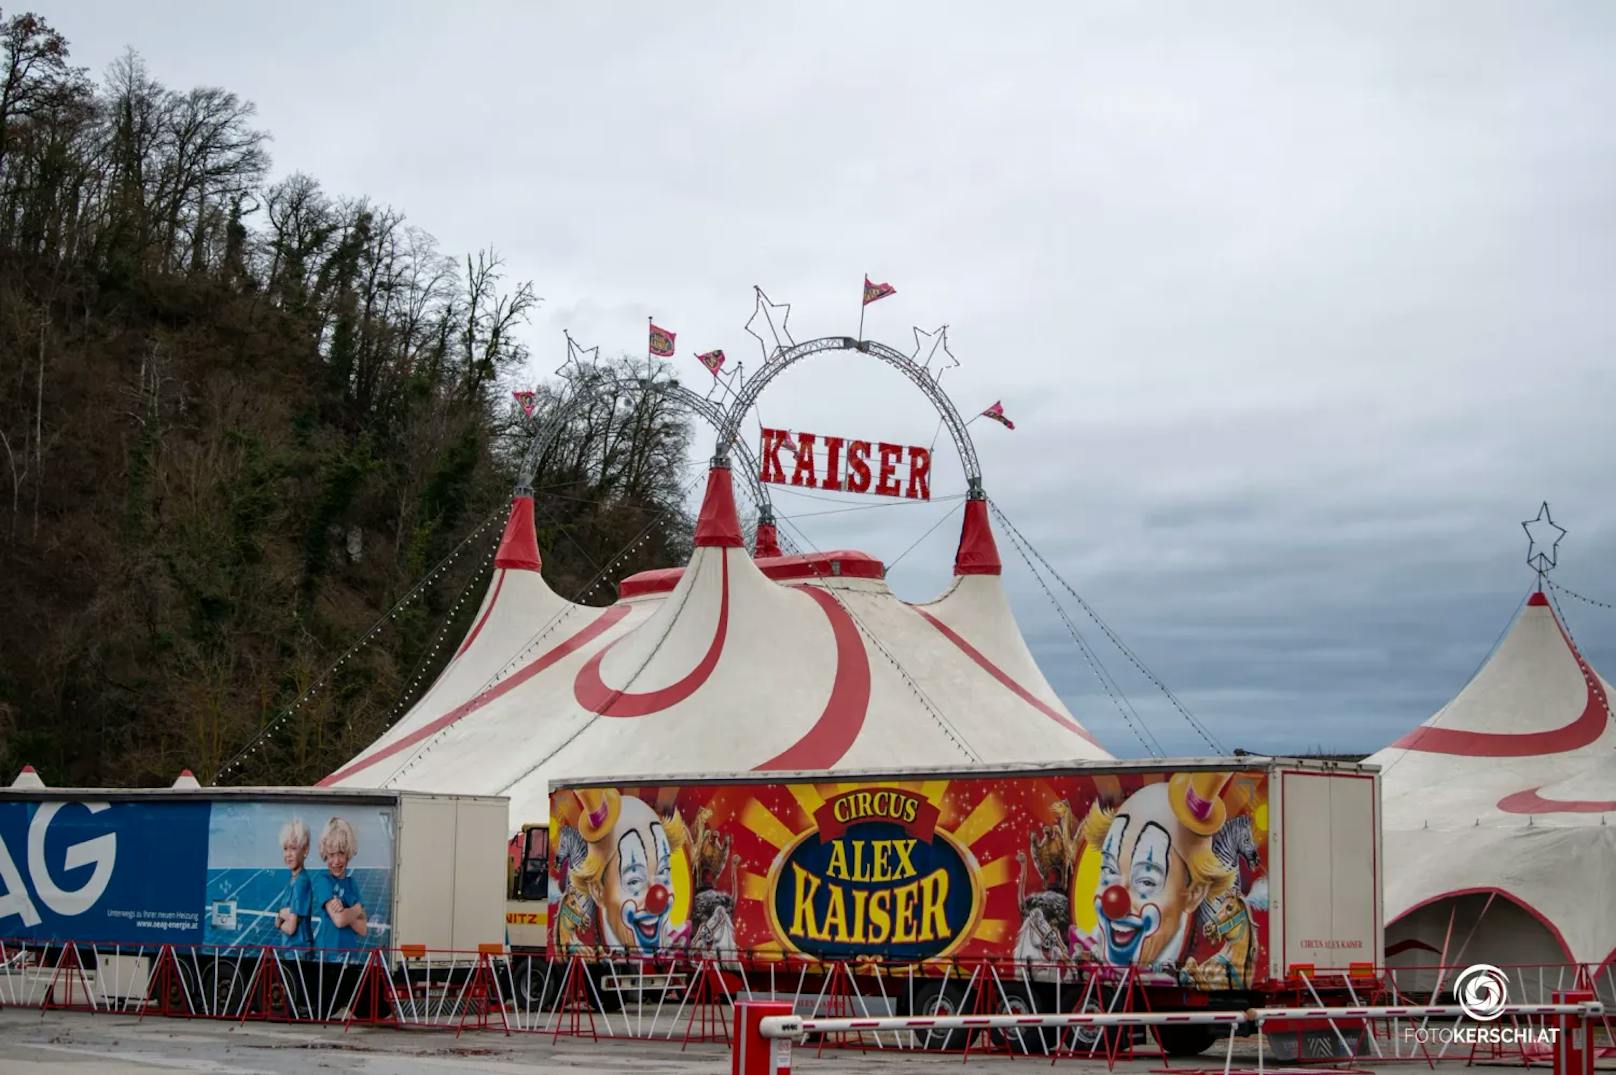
679	997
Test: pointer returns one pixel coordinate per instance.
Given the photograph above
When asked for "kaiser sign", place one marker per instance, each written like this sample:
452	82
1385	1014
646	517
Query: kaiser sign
836	463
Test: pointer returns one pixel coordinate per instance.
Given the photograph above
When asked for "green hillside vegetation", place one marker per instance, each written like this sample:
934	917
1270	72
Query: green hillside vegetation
240	418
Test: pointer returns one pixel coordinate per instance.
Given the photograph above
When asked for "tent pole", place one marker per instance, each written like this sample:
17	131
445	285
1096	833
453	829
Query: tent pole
1484	909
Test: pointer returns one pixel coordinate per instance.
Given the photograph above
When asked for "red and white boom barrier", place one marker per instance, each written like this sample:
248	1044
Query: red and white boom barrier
764	1031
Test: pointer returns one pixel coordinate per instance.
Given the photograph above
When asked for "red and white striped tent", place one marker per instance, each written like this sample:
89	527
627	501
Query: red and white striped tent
1498	811
732	663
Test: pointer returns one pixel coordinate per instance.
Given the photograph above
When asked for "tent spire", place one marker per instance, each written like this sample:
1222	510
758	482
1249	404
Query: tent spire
767	542
718	524
519	547
977	554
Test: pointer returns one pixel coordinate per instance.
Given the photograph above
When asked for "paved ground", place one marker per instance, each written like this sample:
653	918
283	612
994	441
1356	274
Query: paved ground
70	1043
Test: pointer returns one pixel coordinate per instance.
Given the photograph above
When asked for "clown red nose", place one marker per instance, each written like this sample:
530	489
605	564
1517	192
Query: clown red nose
1115	902
656	899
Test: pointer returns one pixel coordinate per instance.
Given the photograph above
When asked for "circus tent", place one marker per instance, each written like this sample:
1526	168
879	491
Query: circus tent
1497	808
731	663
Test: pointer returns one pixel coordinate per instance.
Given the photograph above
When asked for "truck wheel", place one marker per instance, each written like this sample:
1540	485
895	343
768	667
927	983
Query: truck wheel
607	999
1186	1040
938	997
227	982
1017	1000
535	983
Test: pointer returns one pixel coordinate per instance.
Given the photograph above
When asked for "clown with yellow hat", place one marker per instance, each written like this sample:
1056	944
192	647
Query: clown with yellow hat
1157	868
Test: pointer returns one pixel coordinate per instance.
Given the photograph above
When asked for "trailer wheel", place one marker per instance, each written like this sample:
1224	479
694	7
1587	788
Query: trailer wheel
1186	1040
607	999
1018	1000
535	982
227	981
936	996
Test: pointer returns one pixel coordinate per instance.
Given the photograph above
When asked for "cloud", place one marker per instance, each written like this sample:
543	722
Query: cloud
1298	309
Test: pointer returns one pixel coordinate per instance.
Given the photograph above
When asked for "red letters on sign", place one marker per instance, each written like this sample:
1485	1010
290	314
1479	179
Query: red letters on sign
771	471
919	474
804	474
890	455
846	465
858	467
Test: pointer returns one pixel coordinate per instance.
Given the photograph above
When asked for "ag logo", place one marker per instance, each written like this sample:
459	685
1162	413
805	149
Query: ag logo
1483	991
97	852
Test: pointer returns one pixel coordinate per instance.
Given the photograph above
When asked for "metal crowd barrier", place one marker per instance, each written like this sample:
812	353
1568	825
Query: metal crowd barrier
1038	1009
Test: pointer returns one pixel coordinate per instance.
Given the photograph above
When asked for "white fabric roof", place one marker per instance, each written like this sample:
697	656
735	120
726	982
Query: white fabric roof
722	666
1508	789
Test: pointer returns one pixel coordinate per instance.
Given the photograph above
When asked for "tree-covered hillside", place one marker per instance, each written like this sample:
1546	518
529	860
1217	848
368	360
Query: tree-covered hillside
240	418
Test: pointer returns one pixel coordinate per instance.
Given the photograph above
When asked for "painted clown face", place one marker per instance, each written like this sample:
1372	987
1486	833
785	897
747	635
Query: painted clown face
1146	898
637	886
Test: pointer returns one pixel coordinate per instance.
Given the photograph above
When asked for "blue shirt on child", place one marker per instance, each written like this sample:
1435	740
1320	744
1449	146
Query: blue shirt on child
328	934
300	901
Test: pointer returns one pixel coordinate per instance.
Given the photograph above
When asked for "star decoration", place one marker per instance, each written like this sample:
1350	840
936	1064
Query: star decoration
775	317
1543	536
576	357
927	344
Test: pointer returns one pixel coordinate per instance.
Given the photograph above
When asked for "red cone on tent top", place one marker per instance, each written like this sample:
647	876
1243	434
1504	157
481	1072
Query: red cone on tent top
767	543
186	779
718	525
1538	598
978	554
519	548
28	778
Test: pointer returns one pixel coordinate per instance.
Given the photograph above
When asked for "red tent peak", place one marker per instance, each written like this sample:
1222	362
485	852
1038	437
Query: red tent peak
519	547
978	554
1538	598
29	769
718	524
767	543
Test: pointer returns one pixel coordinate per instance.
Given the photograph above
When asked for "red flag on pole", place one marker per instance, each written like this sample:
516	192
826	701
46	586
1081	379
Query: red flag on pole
713	360
661	342
525	400
996	412
875	292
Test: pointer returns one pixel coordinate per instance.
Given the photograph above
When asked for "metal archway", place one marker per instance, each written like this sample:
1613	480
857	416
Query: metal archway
707	409
785	357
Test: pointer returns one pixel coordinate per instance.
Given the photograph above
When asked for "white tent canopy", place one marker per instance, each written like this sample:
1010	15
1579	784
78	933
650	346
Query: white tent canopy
1496	808
729	664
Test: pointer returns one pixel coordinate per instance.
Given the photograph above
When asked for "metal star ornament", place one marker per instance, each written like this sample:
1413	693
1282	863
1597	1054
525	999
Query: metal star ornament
1543	536
775	319
577	356
927	344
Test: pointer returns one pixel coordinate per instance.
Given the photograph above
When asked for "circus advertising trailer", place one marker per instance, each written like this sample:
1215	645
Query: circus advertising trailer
327	875
1200	881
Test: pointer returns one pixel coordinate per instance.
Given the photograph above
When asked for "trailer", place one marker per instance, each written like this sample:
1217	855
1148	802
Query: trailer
1192	882
213	882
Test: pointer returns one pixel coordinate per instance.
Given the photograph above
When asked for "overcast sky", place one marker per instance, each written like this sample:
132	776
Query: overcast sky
1299	309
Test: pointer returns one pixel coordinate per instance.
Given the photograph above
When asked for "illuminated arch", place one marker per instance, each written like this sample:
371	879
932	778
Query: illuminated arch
918	375
708	410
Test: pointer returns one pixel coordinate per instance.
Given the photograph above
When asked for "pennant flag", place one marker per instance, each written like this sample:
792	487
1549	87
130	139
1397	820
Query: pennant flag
996	412
525	399
713	360
661	342
876	292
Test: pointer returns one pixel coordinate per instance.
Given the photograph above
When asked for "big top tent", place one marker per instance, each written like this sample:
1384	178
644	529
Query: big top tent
731	663
1498	847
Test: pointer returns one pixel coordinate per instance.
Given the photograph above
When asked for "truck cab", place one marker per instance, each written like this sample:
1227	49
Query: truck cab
527	888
